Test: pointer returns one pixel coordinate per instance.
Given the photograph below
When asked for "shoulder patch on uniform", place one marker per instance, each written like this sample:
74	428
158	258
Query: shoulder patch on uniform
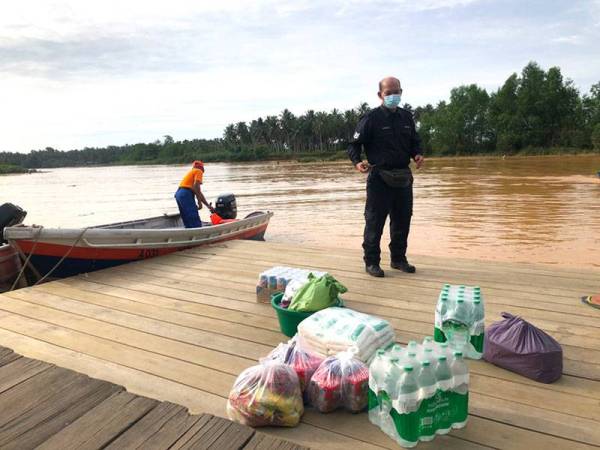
356	135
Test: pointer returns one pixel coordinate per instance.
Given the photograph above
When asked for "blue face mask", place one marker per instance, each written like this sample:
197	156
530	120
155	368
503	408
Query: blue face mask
391	101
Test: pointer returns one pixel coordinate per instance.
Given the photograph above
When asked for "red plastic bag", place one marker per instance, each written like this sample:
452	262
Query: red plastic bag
294	354
340	381
517	345
266	395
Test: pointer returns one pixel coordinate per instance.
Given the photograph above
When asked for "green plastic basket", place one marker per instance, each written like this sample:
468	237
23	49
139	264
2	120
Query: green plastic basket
289	320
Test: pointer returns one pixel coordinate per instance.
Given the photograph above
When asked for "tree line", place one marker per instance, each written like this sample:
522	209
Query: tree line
537	109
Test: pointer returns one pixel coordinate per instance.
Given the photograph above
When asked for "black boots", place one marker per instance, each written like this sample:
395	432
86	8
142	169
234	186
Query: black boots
404	266
374	270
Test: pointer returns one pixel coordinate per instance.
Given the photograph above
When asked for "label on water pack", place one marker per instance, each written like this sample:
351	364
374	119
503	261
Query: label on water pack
406	426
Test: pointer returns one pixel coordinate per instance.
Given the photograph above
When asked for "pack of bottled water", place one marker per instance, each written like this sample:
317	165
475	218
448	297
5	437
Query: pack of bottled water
459	319
277	278
418	391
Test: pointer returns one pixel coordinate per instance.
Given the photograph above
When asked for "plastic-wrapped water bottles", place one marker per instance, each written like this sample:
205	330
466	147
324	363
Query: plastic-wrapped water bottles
420	394
277	278
459	319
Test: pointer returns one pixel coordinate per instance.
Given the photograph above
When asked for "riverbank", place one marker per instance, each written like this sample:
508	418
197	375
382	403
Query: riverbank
7	169
263	155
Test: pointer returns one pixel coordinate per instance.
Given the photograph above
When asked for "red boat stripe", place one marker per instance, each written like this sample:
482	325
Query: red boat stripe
59	250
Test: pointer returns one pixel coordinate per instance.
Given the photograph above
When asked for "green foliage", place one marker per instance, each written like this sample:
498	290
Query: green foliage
596	136
536	112
6	169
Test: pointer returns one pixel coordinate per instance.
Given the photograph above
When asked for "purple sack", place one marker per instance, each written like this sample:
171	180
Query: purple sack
517	345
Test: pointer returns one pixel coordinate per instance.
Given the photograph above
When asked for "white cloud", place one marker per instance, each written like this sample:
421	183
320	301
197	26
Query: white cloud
573	39
90	73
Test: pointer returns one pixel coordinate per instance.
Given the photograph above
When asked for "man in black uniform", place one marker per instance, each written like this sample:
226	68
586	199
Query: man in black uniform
390	140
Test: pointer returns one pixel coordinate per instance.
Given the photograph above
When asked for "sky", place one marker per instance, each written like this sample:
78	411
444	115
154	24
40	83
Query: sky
87	73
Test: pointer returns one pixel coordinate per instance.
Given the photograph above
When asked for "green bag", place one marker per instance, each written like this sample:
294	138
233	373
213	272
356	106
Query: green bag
317	294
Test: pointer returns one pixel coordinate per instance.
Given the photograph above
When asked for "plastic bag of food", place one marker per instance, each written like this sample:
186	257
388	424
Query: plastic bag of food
266	395
302	360
340	381
317	294
290	290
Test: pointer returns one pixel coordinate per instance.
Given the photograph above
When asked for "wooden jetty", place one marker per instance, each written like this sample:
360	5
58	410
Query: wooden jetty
180	328
51	408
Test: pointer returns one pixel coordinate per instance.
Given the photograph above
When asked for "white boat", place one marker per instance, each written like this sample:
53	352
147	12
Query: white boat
70	251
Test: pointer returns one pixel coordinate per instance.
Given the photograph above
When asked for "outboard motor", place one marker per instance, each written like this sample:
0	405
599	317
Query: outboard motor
10	215
226	206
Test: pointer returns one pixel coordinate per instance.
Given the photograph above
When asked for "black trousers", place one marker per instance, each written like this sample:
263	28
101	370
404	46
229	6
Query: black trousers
382	201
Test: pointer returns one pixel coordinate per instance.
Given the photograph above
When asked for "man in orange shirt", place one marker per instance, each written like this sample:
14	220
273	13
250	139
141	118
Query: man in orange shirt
188	189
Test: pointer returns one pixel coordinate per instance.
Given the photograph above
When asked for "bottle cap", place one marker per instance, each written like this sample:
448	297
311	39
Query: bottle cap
477	301
408	368
460	300
458	354
412	355
425	363
380	352
394	360
429	350
442	358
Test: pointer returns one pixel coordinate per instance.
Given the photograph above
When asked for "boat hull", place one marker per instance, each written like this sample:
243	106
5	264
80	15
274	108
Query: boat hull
10	266
87	250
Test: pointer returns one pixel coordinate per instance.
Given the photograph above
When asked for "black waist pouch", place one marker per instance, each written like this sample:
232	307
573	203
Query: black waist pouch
396	178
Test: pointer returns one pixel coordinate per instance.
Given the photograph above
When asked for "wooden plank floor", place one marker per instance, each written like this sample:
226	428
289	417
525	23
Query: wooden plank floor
47	407
180	328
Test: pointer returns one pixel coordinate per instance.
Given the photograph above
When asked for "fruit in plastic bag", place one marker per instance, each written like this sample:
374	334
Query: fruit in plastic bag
340	381
266	395
302	360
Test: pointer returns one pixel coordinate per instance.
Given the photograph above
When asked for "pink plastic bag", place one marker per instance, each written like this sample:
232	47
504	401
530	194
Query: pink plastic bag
295	354
340	381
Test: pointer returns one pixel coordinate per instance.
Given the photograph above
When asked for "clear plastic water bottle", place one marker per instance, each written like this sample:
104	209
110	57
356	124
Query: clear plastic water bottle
428	355
442	305
478	311
377	373
407	433
412	347
427	389
413	361
443	374
392	376
444	349
396	351
428	342
459	408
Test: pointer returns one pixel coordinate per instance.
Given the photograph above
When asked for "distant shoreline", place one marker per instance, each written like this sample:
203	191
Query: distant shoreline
9	169
322	157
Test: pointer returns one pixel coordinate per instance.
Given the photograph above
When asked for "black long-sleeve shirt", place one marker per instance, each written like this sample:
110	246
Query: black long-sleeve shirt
389	138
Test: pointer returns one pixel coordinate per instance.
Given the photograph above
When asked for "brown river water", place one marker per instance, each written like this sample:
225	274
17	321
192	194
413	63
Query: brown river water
534	209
